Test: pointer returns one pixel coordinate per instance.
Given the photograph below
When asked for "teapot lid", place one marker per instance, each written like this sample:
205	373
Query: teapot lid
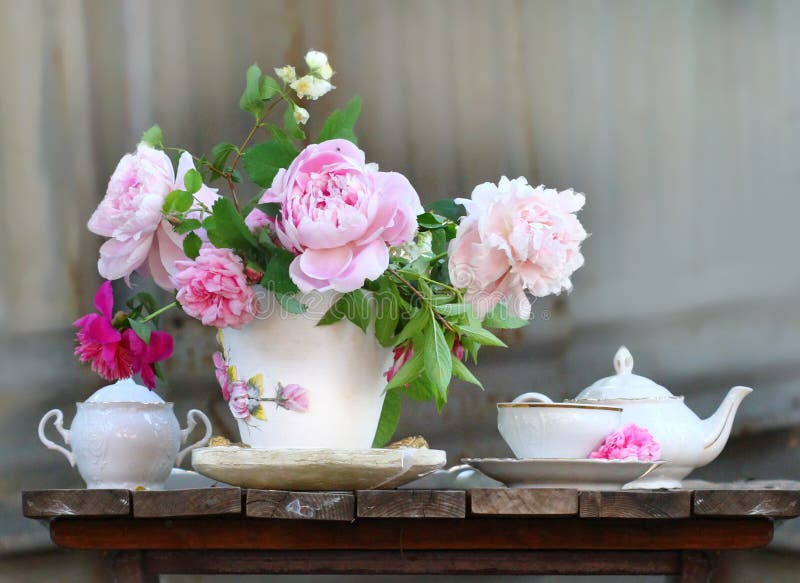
124	391
624	384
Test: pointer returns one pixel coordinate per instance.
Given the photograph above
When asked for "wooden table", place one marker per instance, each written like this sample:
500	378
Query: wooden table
483	531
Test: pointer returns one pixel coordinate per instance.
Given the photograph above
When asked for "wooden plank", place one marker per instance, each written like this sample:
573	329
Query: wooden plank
129	567
51	503
790	485
636	504
411	504
301	505
772	503
414	562
570	533
523	502
195	502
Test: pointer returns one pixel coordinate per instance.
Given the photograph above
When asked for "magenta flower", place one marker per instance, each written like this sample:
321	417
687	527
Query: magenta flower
458	349
115	354
402	354
238	400
631	442
221	370
293	397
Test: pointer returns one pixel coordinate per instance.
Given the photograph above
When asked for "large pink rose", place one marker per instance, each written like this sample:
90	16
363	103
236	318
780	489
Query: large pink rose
339	215
213	288
130	215
516	238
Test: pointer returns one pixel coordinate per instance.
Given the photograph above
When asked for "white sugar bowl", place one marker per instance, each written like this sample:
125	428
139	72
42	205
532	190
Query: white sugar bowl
124	436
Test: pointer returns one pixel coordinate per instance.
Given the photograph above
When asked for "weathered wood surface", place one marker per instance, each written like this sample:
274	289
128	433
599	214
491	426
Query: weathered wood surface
776	504
523	501
414	562
411	504
412	534
636	504
51	503
300	505
195	502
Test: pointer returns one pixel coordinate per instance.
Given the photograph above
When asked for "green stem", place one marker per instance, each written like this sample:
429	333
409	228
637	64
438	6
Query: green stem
160	311
424	301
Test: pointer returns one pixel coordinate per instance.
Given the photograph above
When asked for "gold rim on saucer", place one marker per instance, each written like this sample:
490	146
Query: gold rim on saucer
561	405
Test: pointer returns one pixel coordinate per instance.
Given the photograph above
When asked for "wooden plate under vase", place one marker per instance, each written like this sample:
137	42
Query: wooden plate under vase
316	469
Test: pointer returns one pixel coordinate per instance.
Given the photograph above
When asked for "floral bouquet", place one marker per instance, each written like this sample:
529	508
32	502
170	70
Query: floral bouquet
428	283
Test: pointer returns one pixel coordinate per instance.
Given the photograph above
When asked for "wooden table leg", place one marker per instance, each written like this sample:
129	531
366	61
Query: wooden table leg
128	567
695	567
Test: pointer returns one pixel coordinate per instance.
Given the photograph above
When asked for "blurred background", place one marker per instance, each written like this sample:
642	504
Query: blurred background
679	120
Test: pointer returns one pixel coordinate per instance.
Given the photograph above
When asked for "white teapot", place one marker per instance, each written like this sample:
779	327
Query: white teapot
124	436
687	442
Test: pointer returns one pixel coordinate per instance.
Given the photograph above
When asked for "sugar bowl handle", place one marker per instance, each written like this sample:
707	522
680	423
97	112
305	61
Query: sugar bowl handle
191	423
59	424
533	398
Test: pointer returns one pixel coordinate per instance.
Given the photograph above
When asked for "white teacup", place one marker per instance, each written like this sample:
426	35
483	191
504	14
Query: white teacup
535	427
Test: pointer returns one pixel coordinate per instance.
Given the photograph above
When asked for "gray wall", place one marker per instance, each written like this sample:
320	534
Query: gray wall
679	120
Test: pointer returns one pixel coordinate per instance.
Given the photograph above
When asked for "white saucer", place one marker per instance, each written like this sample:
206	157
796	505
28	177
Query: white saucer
581	474
316	469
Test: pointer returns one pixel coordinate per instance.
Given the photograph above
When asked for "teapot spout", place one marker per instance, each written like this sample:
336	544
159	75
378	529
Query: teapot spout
717	428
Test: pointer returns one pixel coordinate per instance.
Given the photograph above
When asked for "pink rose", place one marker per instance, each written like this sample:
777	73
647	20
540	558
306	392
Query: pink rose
516	238
402	354
238	400
221	370
213	288
130	215
631	442
339	215
293	397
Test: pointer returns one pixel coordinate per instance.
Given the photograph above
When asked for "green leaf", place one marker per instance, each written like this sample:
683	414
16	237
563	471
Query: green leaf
227	228
387	313
453	309
419	390
220	154
340	123
414	326
179	201
251	98
358	309
271	209
390	416
191	245
438	242
268	87
187	225
409	372
334	314
438	364
291	304
153	137
142	330
461	371
501	317
263	161
192	181
448	208
480	335
276	276
429	221
291	126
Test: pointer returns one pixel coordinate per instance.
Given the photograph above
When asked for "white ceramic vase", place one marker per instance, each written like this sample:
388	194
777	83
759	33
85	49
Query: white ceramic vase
340	367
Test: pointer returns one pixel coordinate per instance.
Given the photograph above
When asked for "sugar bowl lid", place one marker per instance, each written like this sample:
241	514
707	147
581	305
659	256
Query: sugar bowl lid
124	391
624	384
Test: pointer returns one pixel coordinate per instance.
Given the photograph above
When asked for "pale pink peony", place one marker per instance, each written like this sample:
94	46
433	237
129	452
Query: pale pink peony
238	400
130	215
213	288
221	370
631	442
339	215
293	398
516	238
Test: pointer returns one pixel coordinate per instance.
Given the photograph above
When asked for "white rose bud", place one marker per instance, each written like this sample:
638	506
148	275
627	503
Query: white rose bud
300	115
325	72
316	59
286	74
311	87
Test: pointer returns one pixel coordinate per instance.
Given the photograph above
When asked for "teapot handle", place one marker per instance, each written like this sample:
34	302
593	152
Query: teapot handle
533	398
59	424
191	423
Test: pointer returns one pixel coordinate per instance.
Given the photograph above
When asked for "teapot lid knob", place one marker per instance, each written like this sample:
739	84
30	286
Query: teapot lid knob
623	361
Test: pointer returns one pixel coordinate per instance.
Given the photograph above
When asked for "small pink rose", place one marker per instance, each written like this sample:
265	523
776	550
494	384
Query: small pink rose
294	398
238	400
631	442
221	370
